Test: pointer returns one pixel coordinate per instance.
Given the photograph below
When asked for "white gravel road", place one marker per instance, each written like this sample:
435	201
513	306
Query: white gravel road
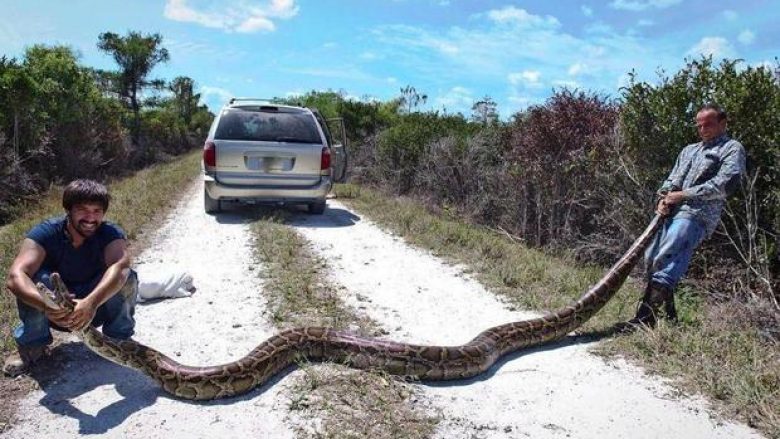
554	392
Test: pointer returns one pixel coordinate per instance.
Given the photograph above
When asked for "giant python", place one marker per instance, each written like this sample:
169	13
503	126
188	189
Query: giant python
327	344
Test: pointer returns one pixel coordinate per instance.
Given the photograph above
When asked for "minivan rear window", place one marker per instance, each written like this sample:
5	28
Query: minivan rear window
273	126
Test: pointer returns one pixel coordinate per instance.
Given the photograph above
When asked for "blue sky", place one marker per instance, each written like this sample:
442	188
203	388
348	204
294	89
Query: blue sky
456	51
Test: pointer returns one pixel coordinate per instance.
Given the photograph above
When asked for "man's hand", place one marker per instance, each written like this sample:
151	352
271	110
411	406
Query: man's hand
673	198
82	314
668	201
59	317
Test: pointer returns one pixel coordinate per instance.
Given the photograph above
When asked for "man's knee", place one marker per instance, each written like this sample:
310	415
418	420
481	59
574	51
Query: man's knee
34	327
117	315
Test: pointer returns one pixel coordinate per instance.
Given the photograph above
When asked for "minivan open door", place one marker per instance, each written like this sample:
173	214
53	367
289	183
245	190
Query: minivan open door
336	134
339	148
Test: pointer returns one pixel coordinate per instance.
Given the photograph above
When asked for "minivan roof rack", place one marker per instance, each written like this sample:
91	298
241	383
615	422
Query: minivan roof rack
233	100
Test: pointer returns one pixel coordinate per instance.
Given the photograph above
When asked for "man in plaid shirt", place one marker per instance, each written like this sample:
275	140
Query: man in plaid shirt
692	199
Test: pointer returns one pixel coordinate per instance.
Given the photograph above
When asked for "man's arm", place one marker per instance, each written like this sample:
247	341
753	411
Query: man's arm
675	179
19	282
117	261
670	189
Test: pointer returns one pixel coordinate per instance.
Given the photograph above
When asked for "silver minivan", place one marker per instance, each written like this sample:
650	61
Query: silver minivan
260	152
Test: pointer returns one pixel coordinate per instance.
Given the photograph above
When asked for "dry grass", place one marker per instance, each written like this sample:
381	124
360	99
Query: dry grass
530	278
339	402
299	293
328	400
138	202
719	353
727	351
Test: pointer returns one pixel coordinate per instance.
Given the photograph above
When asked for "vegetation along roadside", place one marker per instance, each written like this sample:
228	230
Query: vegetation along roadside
138	203
713	350
346	402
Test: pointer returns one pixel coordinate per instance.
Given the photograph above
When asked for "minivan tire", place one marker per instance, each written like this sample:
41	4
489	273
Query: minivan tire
211	205
317	208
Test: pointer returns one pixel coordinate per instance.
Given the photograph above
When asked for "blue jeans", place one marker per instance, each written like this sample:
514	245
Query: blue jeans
116	315
669	255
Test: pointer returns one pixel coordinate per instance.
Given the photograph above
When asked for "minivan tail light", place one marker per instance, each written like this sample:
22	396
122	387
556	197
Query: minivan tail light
325	158
210	155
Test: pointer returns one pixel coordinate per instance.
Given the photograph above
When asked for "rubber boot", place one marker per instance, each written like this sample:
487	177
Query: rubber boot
669	308
20	361
647	310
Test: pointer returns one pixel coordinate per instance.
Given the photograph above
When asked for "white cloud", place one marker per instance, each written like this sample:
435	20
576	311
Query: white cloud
642	5
513	32
599	27
565	83
254	24
353	98
746	37
526	66
623	80
416	38
520	17
521	102
199	49
458	98
718	47
215	97
10	39
391	80
645	22
529	78
586	11
578	69
346	72
235	16
369	56
524	88
730	15
769	65
595	51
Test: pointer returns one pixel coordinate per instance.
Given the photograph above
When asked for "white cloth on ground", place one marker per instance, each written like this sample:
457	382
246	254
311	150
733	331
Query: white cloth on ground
163	282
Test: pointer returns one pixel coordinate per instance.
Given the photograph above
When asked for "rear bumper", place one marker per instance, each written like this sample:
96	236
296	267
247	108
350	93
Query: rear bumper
268	194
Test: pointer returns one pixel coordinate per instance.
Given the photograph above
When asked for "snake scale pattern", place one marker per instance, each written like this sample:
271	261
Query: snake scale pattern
326	344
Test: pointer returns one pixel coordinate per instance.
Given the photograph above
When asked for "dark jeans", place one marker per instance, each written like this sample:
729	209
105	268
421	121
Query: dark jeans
115	316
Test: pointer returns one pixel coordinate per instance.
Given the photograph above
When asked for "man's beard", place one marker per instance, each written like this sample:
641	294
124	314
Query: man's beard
84	228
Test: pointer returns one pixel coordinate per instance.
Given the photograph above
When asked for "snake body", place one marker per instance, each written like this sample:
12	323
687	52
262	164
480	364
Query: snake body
327	344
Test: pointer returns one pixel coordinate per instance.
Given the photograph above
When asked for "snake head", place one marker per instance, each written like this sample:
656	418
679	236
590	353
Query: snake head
60	297
48	296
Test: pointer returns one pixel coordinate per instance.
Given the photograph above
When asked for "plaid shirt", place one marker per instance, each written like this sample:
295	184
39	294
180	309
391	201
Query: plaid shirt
707	173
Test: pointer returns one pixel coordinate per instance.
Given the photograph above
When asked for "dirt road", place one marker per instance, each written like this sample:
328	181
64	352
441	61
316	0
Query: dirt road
555	391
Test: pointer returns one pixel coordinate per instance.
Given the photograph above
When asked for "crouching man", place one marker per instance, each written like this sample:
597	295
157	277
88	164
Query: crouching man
92	259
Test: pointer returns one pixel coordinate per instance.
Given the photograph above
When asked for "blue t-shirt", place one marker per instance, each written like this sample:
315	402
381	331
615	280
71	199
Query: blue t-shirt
75	265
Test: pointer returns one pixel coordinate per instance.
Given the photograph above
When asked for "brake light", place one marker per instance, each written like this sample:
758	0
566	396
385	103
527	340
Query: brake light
209	155
325	158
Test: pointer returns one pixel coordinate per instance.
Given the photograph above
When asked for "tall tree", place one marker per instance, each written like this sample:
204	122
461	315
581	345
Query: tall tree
411	98
485	111
136	55
17	90
184	98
